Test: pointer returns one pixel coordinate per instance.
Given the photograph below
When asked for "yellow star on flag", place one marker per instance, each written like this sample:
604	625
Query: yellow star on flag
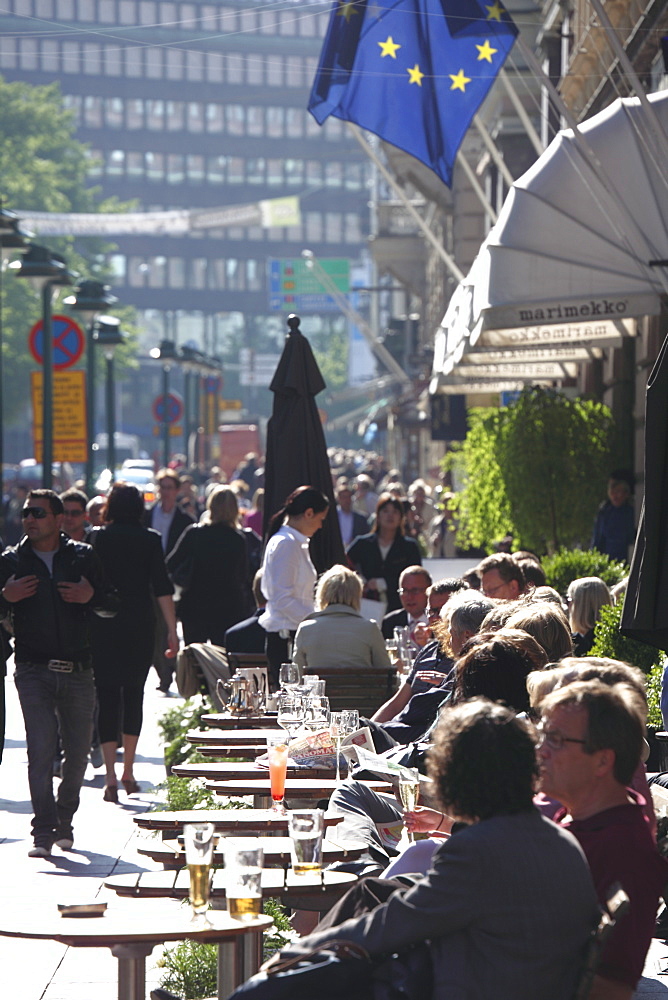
347	9
415	76
485	51
389	47
459	81
495	12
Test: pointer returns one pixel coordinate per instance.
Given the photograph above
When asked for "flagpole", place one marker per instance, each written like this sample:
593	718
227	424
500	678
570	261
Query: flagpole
401	195
534	138
493	150
475	184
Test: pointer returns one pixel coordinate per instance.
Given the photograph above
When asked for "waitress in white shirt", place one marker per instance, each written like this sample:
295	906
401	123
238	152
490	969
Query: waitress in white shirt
288	575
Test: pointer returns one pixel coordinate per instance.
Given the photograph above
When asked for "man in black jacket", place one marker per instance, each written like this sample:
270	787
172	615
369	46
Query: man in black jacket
50	586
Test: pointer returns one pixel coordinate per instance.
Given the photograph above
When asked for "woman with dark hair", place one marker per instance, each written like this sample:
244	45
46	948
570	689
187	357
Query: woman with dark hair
382	555
209	564
123	646
495	665
288	575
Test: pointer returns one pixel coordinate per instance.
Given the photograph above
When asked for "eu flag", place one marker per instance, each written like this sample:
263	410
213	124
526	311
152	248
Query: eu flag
413	71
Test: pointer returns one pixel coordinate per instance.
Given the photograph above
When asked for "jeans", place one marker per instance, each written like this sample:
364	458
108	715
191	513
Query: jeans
50	700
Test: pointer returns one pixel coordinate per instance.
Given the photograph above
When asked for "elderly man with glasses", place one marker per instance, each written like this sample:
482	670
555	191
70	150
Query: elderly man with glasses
50	586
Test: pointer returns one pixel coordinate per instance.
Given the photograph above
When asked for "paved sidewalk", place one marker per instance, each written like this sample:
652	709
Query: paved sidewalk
105	842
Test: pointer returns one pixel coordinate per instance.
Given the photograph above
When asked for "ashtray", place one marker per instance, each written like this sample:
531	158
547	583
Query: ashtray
93	909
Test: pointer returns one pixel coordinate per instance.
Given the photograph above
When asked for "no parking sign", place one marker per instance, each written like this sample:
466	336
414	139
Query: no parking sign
68	342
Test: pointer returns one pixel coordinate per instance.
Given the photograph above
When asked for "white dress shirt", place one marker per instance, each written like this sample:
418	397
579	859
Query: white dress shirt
288	580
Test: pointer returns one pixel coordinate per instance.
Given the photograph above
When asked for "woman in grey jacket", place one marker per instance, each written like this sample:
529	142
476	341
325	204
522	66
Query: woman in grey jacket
336	634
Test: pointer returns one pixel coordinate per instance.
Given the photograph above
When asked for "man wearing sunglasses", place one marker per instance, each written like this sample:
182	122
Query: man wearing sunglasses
50	586
75	523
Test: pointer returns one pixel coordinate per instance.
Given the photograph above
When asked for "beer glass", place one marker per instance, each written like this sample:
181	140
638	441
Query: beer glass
243	876
198	840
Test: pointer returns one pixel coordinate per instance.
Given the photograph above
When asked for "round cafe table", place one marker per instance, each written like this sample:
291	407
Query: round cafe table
132	931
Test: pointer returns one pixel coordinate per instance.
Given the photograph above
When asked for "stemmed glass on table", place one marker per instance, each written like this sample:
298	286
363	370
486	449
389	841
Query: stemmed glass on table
342	724
290	711
316	712
288	677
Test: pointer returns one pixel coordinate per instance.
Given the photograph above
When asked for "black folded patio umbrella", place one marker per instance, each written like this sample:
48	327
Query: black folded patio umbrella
645	615
296	448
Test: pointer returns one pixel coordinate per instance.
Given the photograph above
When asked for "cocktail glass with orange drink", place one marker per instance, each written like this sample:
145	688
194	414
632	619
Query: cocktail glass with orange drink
277	754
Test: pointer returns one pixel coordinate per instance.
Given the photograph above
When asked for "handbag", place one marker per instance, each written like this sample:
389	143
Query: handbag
343	969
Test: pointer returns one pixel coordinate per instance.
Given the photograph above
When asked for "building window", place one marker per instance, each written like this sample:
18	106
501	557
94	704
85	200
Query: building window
92	61
175	115
195	117
175	169
215	171
157	272
268	22
116	264
137	271
187	17
254	70
313	226
216	274
194	65
155	166
333	227
95	163
353	233
176	272
70	57
248	21
135	111
215	67
235	170
275	172
255	170
333	175
235	274
195	168
198	272
294	172
23	7
234	119
92	112
234	68
275	122
86	10
294	73
8	53
168	15
28	53
43	8
73	104
113	112
314	173
127	13
107	11
307	26
294	120
214	118
133	61
135	164
255	120
147	12
115	162
113	55
353	178
50	60
64	10
209	18
174	64
155	115
154	64
253	276
274	71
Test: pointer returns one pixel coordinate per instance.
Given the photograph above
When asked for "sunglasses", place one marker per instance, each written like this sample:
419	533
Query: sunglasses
37	512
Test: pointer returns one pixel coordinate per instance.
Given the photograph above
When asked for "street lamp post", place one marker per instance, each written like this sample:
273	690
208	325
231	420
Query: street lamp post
90	298
45	270
108	336
165	352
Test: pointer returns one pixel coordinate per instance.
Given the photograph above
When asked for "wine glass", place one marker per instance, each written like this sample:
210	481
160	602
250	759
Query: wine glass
409	792
316	712
335	728
290	711
288	676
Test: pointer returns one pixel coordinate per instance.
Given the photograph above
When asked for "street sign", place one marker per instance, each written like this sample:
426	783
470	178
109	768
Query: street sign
174	408
175	430
69	416
295	287
68	342
231	404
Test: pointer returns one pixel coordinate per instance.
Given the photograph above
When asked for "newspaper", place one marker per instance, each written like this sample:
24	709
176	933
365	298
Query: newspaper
386	770
310	749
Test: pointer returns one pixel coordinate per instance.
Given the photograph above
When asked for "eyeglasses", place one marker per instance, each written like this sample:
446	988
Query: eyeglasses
37	512
412	590
554	739
491	591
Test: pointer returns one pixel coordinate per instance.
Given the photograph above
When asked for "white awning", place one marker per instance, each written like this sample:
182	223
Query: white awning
575	253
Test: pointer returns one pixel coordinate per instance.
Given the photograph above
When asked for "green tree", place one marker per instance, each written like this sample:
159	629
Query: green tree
535	469
554	453
44	168
481	507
